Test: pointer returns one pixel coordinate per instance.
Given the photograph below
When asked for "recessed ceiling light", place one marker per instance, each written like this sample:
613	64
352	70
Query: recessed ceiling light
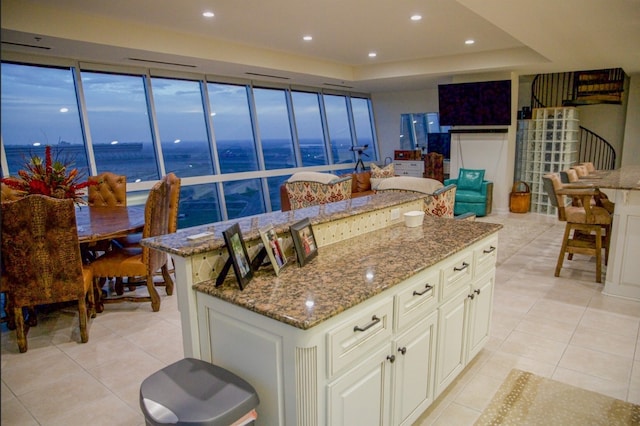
470	41
416	17
208	14
372	54
307	38
64	109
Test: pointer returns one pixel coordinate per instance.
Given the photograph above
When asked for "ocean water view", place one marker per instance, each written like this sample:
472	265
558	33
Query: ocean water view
199	204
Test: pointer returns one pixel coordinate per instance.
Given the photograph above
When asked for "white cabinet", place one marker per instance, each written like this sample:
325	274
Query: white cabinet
464	320
362	395
413	168
480	308
414	370
451	340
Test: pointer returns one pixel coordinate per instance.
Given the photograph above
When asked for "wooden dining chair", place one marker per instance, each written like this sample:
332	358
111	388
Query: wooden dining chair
41	259
588	228
130	262
133	240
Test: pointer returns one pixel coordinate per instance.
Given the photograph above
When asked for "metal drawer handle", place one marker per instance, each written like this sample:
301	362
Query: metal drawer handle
462	268
491	250
426	289
374	321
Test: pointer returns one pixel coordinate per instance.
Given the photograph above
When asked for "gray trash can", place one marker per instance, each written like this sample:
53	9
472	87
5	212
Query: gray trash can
195	392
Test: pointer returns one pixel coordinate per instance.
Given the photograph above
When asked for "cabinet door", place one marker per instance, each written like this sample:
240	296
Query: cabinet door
361	396
480	313
414	370
451	339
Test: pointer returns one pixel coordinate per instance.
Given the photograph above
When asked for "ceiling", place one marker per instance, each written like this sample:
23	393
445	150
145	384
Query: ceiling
262	40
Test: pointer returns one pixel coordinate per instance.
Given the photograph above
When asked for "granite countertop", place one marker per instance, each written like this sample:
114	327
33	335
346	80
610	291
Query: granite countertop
349	272
178	244
626	177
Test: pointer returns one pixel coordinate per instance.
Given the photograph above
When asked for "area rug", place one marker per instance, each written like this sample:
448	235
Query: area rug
527	399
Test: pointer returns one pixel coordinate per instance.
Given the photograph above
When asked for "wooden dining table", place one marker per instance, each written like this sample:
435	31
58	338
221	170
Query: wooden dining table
106	223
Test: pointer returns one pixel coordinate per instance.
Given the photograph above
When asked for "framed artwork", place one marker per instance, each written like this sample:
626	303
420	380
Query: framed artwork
274	248
238	255
304	241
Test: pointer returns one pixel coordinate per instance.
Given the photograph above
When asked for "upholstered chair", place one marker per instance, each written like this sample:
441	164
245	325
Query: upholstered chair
41	259
434	166
139	261
133	240
440	199
307	189
474	194
110	190
588	226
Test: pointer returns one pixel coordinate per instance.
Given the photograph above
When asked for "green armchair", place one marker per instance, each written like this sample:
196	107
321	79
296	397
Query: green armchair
474	194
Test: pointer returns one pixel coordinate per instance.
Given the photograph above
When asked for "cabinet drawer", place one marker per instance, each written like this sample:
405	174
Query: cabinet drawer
359	334
457	273
485	256
418	299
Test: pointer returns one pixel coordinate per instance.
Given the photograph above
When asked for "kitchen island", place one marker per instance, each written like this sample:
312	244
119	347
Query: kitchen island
622	186
369	332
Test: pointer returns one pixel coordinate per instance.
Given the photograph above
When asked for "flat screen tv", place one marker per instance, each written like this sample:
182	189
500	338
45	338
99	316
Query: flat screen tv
486	103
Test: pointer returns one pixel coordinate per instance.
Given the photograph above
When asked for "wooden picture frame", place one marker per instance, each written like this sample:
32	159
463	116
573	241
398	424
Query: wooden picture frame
273	247
238	256
304	241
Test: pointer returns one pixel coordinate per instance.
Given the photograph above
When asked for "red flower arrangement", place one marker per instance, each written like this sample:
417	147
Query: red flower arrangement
48	178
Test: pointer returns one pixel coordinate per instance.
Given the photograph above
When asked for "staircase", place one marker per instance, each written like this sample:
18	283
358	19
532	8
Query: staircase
583	88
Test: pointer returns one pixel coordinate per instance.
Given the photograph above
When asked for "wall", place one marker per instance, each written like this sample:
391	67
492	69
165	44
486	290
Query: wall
387	108
495	154
631	141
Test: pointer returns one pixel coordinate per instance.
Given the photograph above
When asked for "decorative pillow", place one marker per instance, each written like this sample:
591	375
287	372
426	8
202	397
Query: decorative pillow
470	180
385	172
313	177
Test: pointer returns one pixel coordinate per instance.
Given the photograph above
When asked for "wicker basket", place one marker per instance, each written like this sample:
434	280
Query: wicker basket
520	200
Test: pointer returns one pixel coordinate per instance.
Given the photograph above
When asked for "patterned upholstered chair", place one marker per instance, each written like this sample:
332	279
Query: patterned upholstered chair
474	193
588	228
440	201
307	189
41	259
139	261
434	166
110	190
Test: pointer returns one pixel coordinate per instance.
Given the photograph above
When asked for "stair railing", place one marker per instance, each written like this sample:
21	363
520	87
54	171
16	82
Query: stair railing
596	149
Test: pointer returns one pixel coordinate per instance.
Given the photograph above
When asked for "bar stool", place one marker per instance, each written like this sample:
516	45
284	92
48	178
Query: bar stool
195	392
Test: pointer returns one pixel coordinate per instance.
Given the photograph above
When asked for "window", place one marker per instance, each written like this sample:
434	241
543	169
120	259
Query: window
339	129
363	125
133	121
181	123
243	198
232	128
120	126
306	109
275	128
39	108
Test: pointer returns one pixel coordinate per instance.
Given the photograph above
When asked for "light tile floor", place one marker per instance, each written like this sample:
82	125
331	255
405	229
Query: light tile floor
562	328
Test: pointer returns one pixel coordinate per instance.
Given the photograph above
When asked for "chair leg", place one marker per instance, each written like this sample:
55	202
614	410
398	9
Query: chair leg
599	254
153	293
98	282
21	329
82	319
563	250
168	281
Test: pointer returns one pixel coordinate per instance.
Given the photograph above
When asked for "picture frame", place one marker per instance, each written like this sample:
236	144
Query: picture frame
238	255
304	241
273	247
